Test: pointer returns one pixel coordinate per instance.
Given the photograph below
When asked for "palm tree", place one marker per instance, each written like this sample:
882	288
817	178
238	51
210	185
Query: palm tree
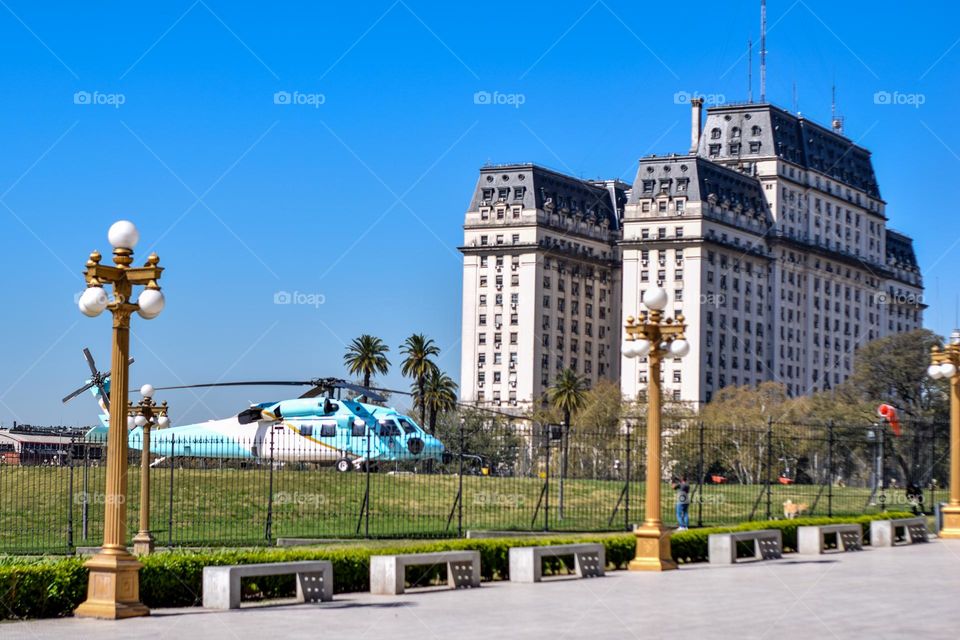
439	395
366	356
566	395
418	350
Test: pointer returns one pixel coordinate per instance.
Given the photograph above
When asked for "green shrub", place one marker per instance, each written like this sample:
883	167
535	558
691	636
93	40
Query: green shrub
41	588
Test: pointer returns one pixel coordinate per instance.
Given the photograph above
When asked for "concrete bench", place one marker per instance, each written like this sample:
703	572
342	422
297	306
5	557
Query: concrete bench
221	585
767	545
883	533
388	573
811	540
526	563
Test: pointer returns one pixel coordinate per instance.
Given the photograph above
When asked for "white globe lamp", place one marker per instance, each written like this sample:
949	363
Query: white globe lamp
655	299
123	234
92	301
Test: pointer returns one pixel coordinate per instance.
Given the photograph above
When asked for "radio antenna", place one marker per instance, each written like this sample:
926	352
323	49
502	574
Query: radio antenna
750	71
763	50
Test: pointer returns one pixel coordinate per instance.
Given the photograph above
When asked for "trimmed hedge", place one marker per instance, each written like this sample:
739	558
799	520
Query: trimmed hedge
50	587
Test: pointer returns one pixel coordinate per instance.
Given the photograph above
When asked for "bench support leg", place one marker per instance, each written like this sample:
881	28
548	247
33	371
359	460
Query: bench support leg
386	576
314	587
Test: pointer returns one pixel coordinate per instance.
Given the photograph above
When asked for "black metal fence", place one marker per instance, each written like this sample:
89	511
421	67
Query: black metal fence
518	477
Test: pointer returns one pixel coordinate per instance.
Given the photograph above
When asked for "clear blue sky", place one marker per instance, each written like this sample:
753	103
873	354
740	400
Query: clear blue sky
361	199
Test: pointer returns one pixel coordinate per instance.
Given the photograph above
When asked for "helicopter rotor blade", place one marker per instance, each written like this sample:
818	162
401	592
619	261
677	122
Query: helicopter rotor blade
364	391
314	392
105	396
90	363
74	394
267	383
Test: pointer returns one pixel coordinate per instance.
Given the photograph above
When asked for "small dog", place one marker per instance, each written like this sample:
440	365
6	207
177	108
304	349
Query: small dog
793	510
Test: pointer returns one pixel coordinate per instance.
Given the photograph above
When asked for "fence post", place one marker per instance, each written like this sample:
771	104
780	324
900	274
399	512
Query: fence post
546	482
769	466
830	472
70	496
170	513
700	480
460	484
268	530
933	469
626	487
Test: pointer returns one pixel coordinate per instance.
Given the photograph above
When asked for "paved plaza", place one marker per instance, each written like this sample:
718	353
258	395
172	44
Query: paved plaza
907	592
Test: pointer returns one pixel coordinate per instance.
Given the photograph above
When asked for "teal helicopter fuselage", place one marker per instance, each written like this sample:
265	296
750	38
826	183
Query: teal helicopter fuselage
321	430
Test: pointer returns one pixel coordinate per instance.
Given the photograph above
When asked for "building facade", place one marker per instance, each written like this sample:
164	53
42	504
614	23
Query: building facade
769	236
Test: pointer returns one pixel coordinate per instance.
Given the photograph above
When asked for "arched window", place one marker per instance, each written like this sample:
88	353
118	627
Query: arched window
715	133
755	130
735	132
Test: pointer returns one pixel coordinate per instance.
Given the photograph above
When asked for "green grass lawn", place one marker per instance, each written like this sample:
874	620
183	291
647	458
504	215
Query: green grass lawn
230	506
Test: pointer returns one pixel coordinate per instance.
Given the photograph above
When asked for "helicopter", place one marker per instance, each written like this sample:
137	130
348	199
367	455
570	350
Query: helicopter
319	427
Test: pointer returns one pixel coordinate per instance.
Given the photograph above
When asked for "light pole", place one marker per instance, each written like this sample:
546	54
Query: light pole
946	364
113	590
654	336
145	414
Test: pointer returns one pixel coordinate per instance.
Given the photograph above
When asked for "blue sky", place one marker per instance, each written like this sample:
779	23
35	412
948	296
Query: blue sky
353	190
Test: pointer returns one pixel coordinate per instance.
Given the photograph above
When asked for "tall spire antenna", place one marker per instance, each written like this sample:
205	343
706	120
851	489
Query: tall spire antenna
750	70
763	50
835	121
796	101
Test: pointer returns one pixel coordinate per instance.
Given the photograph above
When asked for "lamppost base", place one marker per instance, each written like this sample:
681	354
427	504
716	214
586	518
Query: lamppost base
143	543
951	523
113	591
653	549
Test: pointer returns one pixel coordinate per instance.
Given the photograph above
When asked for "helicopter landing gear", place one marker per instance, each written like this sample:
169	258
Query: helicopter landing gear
344	465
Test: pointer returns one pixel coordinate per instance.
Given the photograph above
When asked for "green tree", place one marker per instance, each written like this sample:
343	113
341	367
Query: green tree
418	365
367	356
567	395
439	396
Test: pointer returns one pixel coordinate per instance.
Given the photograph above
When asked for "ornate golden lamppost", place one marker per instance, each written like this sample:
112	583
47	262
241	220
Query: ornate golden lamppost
946	364
655	337
145	414
113	590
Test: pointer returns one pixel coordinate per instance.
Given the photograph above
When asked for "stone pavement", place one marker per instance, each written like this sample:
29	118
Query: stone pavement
907	592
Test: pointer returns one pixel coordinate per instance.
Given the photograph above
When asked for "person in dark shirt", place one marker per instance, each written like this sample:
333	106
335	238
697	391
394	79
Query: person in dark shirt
682	487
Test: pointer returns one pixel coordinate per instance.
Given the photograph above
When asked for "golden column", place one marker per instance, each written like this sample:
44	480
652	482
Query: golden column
113	590
946	364
655	337
145	415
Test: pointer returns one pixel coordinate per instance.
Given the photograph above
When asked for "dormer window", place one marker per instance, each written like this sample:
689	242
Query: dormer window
682	185
735	132
648	186
715	133
755	130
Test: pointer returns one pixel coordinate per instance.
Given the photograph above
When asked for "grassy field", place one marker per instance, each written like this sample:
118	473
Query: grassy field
230	506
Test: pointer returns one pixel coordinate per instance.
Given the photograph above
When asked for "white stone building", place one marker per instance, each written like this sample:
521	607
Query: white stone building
769	236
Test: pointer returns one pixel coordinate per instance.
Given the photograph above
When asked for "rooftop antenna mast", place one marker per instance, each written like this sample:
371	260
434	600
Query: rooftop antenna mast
750	70
796	101
763	50
835	121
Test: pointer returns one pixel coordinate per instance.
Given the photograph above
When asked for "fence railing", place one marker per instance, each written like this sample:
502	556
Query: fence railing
516	477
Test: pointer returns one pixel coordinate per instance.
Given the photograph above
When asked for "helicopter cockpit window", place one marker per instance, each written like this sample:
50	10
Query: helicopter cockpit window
359	430
407	426
389	428
328	430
